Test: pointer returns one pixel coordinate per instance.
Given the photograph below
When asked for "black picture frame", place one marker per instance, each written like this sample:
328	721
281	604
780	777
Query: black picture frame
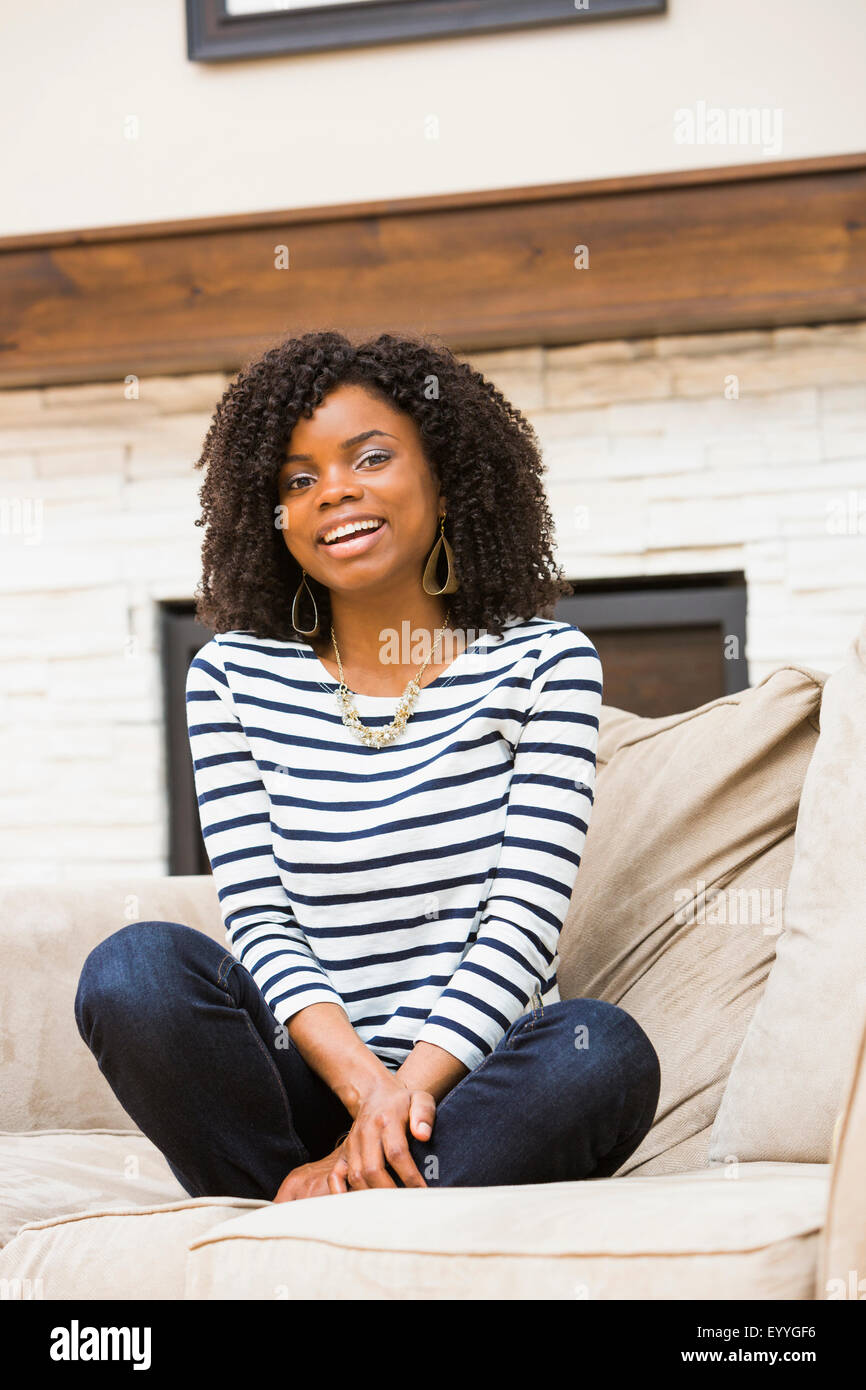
214	35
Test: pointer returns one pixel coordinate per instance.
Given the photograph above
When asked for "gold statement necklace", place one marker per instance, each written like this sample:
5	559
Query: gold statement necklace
377	738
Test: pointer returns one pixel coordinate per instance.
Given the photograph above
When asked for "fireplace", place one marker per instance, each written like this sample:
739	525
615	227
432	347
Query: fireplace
667	644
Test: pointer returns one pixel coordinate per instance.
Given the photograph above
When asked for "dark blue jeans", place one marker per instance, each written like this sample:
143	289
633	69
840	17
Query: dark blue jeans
192	1051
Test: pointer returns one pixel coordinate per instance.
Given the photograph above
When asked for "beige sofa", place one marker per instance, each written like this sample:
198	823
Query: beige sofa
720	900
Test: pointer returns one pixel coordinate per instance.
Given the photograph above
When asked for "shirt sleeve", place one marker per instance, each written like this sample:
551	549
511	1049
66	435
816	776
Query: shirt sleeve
549	805
235	813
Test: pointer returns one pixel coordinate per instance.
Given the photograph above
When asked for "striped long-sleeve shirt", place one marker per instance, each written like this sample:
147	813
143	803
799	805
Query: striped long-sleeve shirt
420	886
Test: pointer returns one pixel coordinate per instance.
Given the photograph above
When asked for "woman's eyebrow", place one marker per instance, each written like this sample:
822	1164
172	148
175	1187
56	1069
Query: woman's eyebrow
346	444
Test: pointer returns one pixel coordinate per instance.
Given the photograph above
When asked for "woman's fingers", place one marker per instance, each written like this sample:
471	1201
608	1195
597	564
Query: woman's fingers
379	1140
373	1153
366	1157
291	1188
359	1158
399	1156
354	1167
422	1113
337	1176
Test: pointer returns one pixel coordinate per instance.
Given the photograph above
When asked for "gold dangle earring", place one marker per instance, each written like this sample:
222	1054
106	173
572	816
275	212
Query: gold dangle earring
452	584
305	631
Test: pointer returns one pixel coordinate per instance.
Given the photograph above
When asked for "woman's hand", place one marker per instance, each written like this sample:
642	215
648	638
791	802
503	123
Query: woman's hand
317	1179
379	1135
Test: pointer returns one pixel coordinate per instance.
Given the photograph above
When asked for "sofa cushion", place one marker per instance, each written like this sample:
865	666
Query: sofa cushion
137	1252
786	1085
842	1263
56	1172
751	1233
679	897
50	1079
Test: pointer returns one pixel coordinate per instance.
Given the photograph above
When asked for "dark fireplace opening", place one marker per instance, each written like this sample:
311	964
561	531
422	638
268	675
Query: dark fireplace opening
667	644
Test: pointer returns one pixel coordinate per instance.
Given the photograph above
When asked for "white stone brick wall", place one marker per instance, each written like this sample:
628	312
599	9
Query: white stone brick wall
652	470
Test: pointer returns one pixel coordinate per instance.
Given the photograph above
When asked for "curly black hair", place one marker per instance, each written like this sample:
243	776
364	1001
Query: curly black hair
483	452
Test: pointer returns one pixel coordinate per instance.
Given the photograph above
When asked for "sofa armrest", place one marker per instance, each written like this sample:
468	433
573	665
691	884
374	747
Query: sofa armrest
842	1253
50	1078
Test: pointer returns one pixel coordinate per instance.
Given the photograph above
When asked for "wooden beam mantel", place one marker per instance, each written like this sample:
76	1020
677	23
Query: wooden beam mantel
753	246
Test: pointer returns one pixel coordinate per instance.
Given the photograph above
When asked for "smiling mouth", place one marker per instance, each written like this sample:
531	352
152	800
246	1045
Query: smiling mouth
352	536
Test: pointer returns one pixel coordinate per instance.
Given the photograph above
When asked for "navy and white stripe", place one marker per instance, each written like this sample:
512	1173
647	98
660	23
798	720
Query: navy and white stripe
422	886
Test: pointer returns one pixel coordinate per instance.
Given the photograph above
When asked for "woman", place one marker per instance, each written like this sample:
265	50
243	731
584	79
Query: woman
394	757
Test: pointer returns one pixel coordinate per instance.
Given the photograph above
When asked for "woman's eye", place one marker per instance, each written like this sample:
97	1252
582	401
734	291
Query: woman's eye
290	484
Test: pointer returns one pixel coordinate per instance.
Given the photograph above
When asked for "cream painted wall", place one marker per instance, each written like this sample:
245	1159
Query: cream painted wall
533	106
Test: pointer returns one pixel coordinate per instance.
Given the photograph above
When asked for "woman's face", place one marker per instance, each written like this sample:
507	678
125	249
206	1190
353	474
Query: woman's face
358	459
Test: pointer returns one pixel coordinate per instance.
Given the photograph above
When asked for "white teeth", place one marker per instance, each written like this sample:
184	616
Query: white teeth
350	529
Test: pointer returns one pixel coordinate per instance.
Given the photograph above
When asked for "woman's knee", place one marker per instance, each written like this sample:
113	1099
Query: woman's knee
617	1034
127	970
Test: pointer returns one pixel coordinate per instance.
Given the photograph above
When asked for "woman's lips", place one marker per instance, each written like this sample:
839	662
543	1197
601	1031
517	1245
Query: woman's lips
354	545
